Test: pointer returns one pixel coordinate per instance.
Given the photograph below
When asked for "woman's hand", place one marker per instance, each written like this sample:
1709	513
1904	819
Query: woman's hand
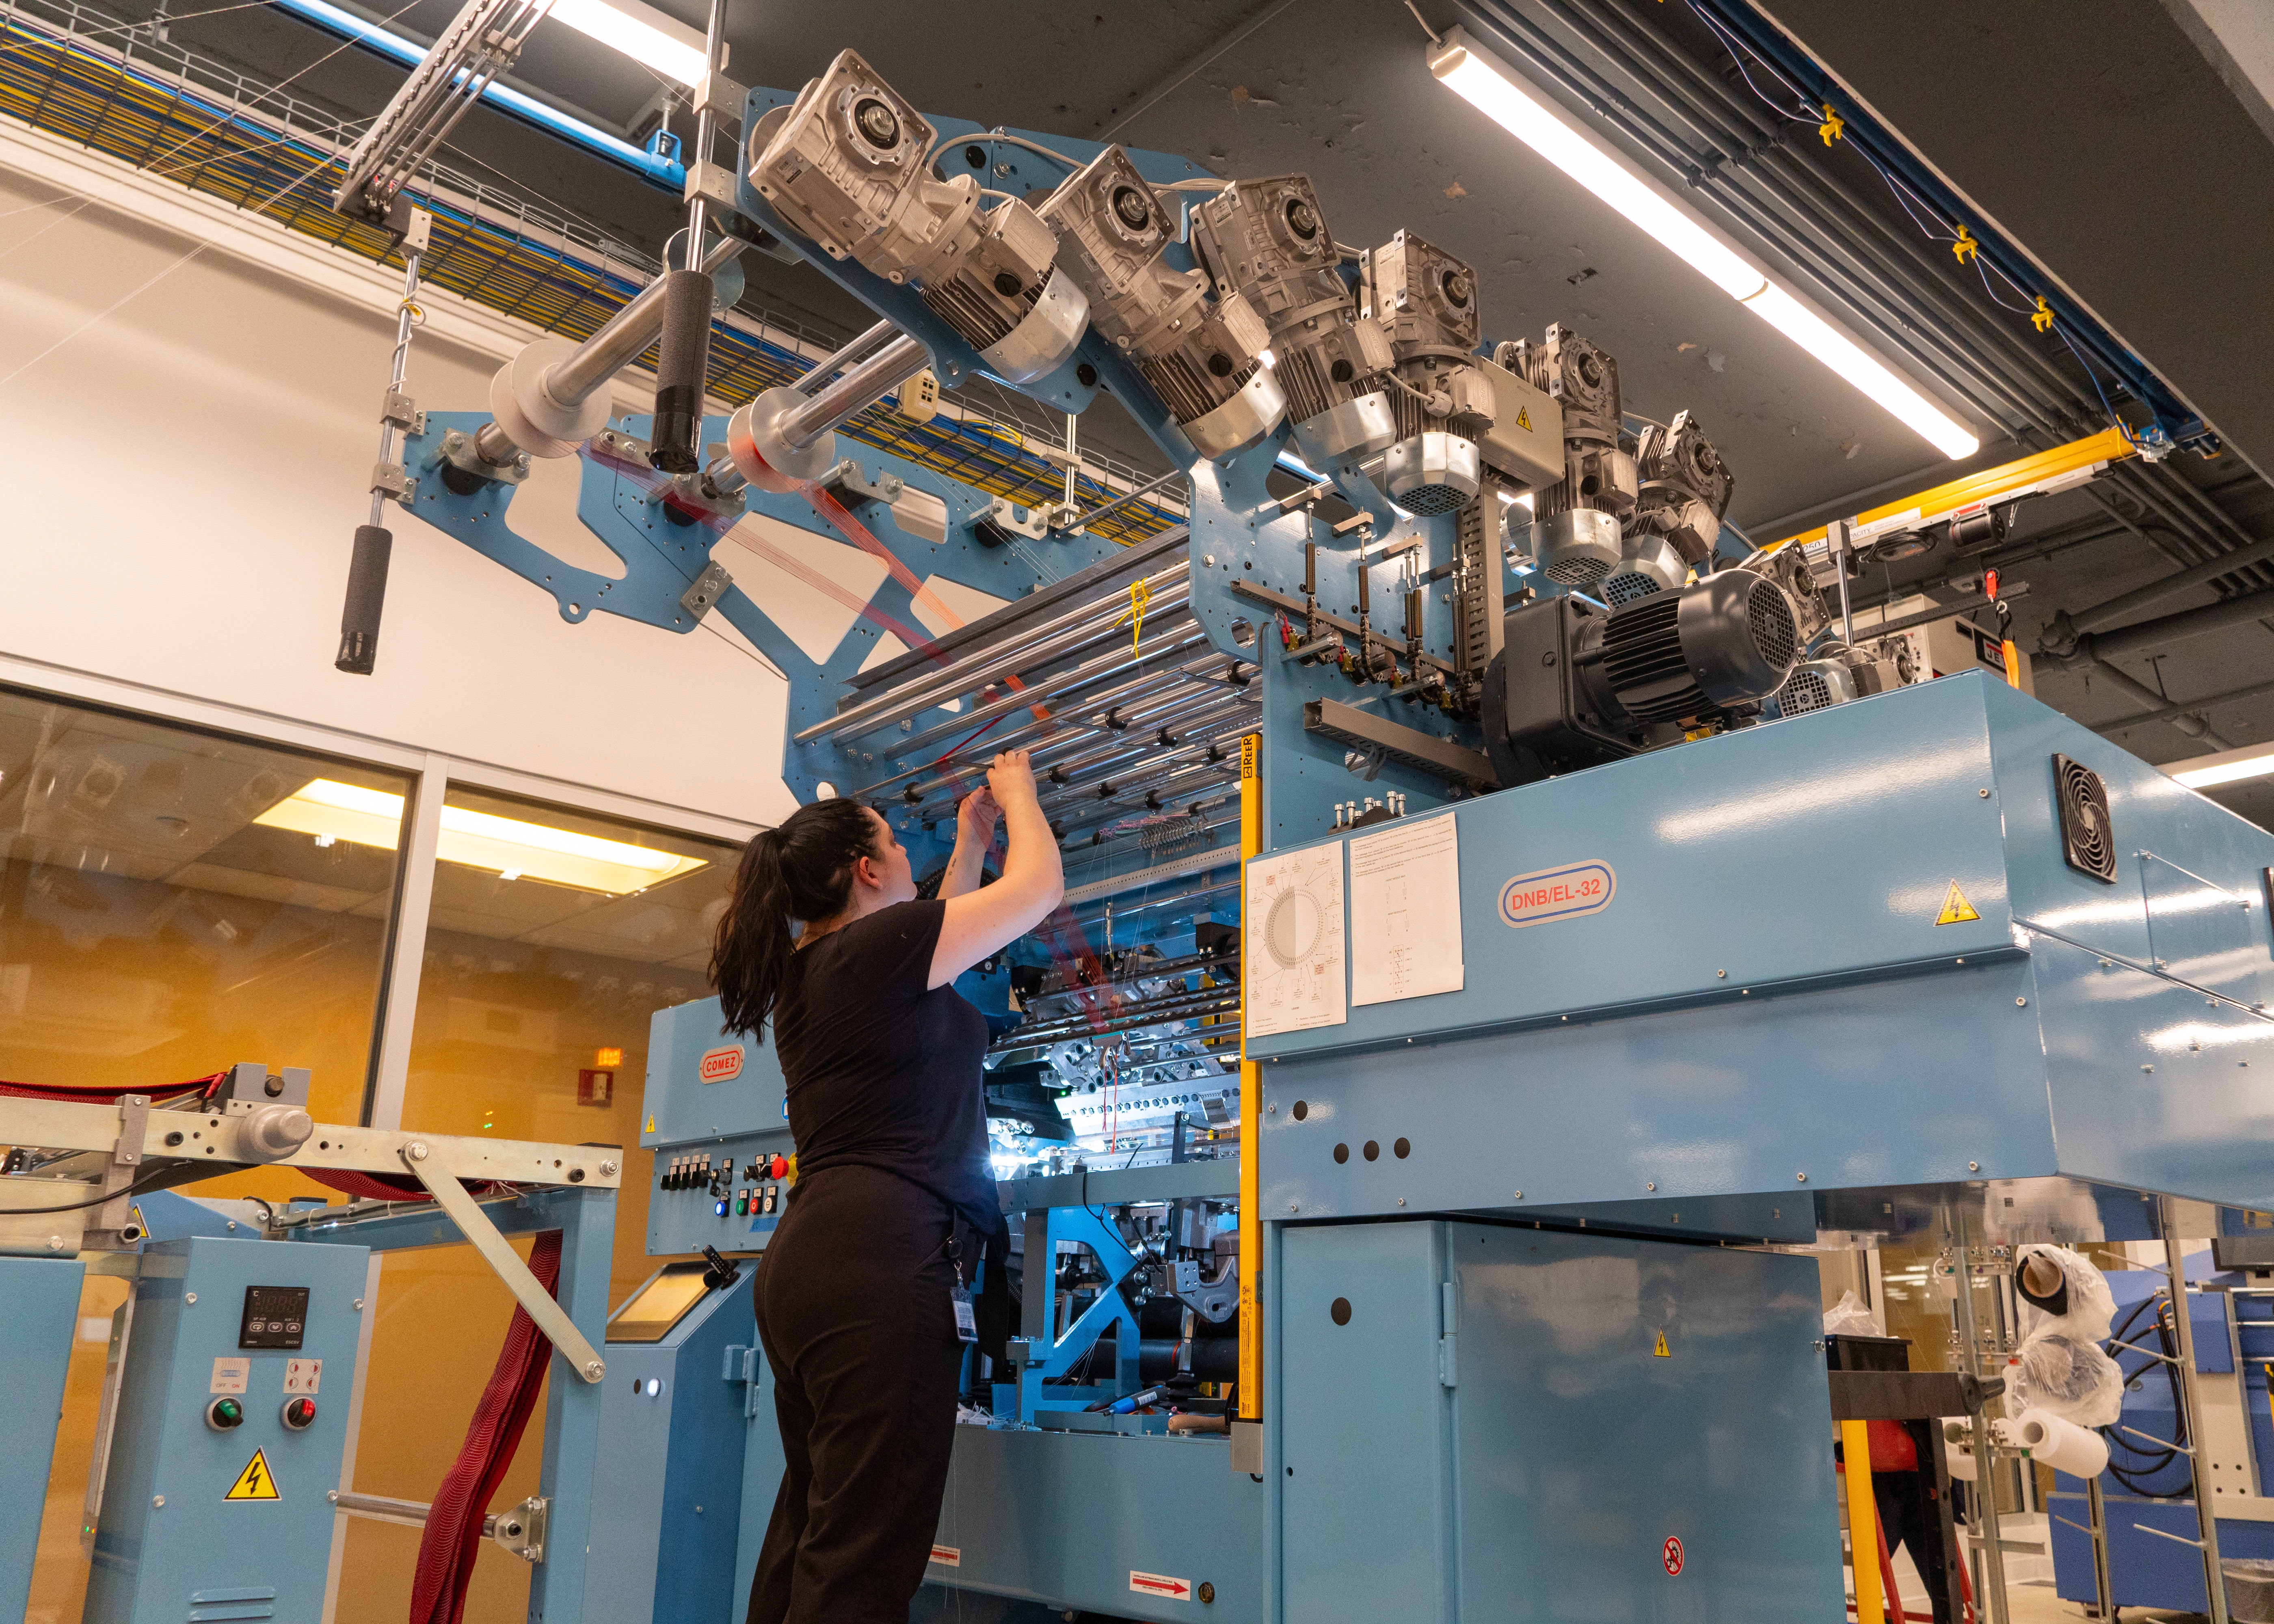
1011	779
976	818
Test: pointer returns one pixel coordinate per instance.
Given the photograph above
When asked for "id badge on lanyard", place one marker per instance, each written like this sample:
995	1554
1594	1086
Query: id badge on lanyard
967	1326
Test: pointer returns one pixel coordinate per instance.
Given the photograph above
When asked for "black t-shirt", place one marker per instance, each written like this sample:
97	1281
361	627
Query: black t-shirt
882	1071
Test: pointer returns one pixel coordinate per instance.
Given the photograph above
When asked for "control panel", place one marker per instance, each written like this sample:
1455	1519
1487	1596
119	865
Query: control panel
717	1117
232	1409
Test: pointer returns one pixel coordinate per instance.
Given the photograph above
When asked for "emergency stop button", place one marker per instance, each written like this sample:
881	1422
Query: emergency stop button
299	1414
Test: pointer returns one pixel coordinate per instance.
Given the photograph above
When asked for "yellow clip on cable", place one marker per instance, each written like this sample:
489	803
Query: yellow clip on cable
1141	593
1833	125
1965	248
2044	320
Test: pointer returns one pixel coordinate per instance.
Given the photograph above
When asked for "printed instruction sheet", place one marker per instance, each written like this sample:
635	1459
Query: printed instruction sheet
1406	910
1296	982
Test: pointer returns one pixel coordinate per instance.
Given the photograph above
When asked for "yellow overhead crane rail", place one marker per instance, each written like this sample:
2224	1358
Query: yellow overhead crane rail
2059	469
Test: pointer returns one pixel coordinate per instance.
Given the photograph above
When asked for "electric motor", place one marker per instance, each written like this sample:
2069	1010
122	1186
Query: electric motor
1202	356
1576	533
1575	684
849	164
1266	242
1439	399
1839	674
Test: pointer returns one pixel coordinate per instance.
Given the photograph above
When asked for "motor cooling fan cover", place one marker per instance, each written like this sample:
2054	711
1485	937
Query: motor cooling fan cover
2087	833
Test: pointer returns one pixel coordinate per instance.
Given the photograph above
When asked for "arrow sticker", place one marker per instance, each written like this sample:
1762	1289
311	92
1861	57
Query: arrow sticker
1160	1584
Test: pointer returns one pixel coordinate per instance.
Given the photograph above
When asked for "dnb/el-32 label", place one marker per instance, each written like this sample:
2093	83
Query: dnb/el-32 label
1546	895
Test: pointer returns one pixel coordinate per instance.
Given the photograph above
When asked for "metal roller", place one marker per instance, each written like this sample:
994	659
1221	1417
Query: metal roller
1044	738
1057	639
1081	748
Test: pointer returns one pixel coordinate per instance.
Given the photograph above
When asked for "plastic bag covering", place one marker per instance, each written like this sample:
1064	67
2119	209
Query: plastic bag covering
2060	1370
1848	1317
2092	1305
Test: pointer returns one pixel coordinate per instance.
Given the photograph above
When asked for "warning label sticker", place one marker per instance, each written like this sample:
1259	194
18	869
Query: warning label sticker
1160	1584
947	1556
302	1375
1661	1351
1670	1556
1956	910
255	1481
1524	418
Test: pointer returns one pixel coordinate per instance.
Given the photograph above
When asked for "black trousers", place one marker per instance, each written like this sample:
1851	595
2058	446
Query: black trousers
856	1323
1911	1518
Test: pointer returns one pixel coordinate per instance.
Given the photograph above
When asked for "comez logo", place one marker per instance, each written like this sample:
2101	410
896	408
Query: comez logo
718	1064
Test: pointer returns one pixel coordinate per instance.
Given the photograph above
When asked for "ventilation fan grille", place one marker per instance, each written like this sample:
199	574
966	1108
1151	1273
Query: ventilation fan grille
1804	691
2087	834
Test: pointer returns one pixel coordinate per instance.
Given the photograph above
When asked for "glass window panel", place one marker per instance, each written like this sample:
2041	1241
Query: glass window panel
554	936
161	918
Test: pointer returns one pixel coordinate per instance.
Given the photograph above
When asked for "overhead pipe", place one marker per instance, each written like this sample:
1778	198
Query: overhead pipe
2143	635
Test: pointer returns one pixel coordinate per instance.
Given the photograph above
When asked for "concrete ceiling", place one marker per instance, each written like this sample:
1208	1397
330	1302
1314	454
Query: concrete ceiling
2175	211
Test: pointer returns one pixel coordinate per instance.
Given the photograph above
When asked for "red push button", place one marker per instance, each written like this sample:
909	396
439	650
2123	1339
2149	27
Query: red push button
780	1167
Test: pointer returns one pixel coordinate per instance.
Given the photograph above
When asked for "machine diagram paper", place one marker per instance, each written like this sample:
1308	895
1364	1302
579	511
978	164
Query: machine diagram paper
1406	910
1296	983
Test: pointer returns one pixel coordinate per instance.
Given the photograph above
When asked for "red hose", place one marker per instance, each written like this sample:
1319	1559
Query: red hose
73	1093
453	1538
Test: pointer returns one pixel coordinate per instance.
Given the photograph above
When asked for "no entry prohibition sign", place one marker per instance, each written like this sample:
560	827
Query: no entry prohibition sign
1670	1555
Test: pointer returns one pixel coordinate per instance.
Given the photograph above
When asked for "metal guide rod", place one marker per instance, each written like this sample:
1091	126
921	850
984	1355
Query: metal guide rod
1985	1498
1144	972
613	345
1062	751
1076	677
361	610
480	44
1085	780
1840	537
1169	869
1087	585
829	365
442	1184
1057	638
1100	846
1125	498
1150	781
858	390
1042	733
2191	1410
1153	1012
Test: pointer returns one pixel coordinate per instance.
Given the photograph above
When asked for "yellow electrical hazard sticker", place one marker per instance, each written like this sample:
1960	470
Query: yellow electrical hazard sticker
1524	418
141	1222
1956	910
255	1481
650	1124
1661	1351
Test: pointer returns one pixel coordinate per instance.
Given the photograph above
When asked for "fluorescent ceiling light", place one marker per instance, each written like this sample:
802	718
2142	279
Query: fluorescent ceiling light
1487	84
510	847
2254	761
626	29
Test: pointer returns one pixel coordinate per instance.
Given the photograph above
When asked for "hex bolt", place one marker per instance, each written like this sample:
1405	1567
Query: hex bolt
1974	1166
416	1150
189	1297
358	1306
55	1243
2020	1004
594	1369
1651	1186
1519	1195
1802	1177
1721	975
157	1502
1401	1200
1984	794
1294	1207
607	1169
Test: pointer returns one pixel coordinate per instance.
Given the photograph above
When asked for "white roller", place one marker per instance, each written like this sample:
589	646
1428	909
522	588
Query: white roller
1958	1455
2062	1445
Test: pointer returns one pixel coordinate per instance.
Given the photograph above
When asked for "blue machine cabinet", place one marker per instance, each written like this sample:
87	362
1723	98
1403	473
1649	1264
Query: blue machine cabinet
42	1298
225	1524
1495	1423
673	1414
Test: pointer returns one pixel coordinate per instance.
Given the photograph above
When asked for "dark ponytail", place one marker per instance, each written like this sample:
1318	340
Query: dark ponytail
802	871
